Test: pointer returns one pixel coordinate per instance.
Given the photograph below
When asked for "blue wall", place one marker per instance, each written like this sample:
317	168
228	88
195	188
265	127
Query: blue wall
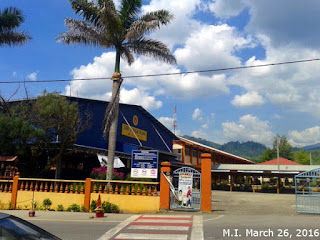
92	136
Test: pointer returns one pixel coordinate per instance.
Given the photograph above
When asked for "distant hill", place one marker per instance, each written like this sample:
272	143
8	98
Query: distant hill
312	147
203	141
244	149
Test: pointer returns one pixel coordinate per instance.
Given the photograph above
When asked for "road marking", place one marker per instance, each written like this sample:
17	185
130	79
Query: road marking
68	220
117	229
171	228
210	219
151	236
163	221
197	228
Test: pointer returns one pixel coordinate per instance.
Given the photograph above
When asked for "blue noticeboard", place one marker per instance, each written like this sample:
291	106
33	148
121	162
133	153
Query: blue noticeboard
144	164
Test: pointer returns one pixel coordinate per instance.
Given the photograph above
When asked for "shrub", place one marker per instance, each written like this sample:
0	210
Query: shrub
93	205
73	208
100	173
115	208
47	203
106	206
60	208
83	209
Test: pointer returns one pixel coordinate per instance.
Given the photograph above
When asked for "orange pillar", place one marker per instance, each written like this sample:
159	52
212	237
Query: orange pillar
206	182
87	194
164	186
14	193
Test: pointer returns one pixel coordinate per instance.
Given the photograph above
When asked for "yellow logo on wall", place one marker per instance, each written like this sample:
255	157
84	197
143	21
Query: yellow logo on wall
141	134
135	120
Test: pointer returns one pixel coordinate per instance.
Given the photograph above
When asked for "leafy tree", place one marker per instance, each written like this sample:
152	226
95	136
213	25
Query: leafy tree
284	147
10	19
268	154
302	157
123	30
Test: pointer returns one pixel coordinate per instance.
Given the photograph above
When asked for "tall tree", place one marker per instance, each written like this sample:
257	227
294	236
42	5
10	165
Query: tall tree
123	30
284	147
10	19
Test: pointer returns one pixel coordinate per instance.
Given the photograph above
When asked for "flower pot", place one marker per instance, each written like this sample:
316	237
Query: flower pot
31	213
99	214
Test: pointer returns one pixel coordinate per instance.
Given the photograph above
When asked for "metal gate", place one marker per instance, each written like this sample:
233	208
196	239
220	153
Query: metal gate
175	202
307	189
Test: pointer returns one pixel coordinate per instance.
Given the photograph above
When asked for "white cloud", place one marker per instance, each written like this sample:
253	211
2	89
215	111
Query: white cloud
14	74
249	128
277	116
196	114
212	47
306	137
32	76
226	8
138	97
205	126
200	134
249	99
166	121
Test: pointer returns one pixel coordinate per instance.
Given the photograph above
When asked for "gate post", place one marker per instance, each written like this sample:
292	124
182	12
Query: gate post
206	182
164	186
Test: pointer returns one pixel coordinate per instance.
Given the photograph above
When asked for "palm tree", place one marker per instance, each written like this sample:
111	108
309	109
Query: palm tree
124	31
10	19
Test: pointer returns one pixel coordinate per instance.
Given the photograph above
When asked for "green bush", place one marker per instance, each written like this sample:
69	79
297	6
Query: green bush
47	203
83	209
60	208
114	208
93	205
106	206
73	208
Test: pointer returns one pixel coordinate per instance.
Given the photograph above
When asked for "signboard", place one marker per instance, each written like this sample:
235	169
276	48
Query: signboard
144	164
185	189
141	134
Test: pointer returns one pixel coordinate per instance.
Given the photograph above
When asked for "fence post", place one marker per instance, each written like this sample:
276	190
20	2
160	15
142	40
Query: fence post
206	182
87	194
164	186
14	193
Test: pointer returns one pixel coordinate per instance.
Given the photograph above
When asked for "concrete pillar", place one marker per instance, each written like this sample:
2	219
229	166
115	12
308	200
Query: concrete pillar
14	193
164	186
87	194
206	182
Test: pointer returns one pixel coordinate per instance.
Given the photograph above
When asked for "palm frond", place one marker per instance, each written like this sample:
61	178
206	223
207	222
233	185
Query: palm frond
13	38
87	9
108	16
10	18
127	55
82	32
129	11
147	23
152	48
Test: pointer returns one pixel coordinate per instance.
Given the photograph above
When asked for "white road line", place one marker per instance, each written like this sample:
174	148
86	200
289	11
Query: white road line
169	228
119	227
210	219
197	228
163	221
168	216
69	220
152	236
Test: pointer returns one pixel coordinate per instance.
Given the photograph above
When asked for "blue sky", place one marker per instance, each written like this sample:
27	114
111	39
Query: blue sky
240	105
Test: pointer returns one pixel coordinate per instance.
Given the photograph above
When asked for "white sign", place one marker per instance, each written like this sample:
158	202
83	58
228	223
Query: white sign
144	164
185	189
104	161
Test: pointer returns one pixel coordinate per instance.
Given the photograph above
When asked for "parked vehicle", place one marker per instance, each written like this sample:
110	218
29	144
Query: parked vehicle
14	228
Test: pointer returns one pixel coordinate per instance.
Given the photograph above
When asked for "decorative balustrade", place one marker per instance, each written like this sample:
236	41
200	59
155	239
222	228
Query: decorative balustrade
6	186
51	185
125	187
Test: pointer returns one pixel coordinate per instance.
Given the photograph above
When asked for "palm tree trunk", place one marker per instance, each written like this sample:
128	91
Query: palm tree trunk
114	124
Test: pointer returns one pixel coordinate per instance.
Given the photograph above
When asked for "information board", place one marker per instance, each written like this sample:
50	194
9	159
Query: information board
144	164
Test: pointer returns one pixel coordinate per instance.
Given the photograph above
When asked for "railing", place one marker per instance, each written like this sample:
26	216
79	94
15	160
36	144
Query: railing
51	185
6	186
125	187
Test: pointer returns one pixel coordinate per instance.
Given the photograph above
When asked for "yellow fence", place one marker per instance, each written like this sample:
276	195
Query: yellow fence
128	195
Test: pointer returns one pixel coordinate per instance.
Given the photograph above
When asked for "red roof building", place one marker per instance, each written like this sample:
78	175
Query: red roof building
282	161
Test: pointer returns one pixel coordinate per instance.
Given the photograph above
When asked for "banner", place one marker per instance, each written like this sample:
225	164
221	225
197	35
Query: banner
185	189
104	161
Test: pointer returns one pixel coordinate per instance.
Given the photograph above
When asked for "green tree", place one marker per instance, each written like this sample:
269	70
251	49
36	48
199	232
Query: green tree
60	121
268	154
123	30
284	147
10	19
302	157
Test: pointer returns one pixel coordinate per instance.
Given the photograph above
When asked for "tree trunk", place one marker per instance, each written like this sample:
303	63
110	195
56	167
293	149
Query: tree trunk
114	124
113	132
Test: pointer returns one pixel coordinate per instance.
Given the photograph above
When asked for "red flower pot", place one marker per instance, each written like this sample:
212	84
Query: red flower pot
31	213
99	214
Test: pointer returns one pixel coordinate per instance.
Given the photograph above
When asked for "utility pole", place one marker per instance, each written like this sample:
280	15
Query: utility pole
175	120
278	153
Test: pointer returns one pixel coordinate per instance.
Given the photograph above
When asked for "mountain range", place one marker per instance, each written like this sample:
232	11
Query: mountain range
248	149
